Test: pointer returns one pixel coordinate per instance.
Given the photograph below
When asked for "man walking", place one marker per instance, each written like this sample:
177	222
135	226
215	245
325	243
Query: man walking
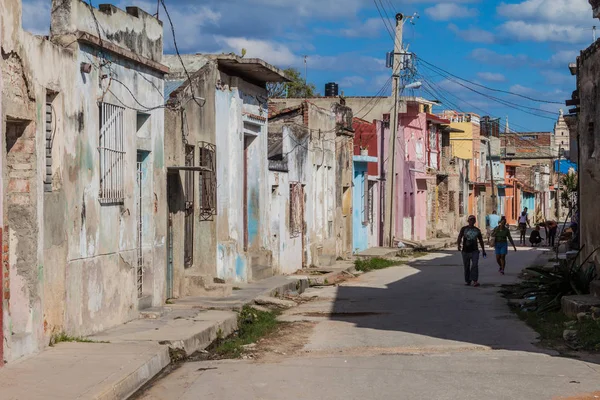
492	222
467	242
523	224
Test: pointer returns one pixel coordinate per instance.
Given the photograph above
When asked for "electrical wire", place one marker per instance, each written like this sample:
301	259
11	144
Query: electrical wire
487	87
518	107
385	22
177	49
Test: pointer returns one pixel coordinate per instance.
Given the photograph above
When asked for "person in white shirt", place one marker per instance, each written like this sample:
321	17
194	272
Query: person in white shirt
523	224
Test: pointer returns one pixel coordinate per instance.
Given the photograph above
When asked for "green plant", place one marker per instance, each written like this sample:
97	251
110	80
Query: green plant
252	325
547	288
376	263
63	337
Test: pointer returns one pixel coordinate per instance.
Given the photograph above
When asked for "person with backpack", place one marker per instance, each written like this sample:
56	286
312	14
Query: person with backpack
499	241
523	224
467	242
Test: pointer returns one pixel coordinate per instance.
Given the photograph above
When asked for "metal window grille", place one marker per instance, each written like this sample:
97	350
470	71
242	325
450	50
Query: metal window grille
49	130
112	162
188	242
208	181
296	201
140	254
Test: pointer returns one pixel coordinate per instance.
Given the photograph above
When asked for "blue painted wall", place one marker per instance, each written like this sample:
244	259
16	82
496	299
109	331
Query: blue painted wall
360	232
528	200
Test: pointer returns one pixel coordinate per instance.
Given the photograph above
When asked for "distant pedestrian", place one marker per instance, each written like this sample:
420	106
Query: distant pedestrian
535	238
492	222
523	224
552	229
468	240
501	236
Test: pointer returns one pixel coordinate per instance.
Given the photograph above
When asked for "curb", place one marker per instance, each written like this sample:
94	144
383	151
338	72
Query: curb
131	383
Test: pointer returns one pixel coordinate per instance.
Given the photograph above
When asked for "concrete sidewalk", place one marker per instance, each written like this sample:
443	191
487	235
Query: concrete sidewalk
138	350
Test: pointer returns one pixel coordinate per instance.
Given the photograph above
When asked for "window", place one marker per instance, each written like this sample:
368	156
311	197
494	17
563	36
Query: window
50	130
296	200
112	163
208	181
461	204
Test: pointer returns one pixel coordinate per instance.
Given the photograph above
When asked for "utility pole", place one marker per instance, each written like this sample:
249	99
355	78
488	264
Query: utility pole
558	197
494	197
391	177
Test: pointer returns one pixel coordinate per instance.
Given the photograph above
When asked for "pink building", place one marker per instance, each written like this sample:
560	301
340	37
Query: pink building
416	156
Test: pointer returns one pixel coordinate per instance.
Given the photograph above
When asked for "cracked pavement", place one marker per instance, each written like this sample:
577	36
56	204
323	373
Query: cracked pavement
409	332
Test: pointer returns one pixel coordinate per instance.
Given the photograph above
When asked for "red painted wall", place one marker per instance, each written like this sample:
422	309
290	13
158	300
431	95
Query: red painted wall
365	134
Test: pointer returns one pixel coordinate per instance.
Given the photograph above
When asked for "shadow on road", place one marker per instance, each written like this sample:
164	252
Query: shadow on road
431	305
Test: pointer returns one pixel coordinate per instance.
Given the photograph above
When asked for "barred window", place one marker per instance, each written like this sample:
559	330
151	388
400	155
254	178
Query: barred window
112	163
296	204
208	181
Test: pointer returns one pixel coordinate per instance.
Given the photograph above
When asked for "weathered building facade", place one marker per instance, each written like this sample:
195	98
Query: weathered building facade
84	172
316	154
587	97
217	149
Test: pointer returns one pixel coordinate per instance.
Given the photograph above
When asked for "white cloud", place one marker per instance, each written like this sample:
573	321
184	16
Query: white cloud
564	58
36	16
272	52
351	81
472	34
372	27
544	32
486	56
447	11
553	11
491	77
556	78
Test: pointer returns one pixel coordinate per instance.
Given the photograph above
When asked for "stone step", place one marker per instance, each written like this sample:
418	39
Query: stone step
573	305
326	260
260	272
204	286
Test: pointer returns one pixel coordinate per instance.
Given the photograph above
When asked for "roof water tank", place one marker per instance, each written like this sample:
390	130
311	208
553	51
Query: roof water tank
331	89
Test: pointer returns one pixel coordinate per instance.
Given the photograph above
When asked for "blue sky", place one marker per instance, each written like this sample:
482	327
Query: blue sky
521	46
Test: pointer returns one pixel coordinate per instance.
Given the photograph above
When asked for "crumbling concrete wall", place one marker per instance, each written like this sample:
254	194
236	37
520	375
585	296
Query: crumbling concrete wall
189	125
67	269
588	78
241	132
290	248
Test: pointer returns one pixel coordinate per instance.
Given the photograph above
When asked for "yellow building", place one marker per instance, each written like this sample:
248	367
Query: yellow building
462	142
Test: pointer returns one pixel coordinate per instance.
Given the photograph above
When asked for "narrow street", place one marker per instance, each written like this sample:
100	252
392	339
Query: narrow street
409	332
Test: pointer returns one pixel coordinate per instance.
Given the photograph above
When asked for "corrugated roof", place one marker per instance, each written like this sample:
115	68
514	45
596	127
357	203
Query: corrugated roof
171	86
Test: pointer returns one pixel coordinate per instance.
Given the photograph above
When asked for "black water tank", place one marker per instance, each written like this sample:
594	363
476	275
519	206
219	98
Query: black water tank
331	89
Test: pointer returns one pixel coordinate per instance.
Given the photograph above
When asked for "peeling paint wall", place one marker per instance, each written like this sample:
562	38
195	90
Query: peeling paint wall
287	247
68	270
241	135
189	126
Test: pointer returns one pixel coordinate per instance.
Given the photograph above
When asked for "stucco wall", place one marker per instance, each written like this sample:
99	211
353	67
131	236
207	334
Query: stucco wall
589	149
69	271
190	125
234	98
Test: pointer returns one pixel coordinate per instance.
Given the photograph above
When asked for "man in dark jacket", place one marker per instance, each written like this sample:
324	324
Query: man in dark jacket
468	240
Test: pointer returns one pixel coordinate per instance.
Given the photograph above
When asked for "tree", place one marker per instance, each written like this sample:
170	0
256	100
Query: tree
296	88
569	190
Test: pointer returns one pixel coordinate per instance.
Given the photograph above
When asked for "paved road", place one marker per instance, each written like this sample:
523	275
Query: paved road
411	332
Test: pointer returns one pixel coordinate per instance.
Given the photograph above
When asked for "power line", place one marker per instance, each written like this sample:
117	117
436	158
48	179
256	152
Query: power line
177	50
387	28
489	88
517	107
